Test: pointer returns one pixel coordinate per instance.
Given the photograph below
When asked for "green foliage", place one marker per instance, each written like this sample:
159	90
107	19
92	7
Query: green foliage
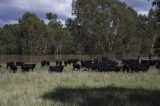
99	27
32	36
154	30
105	24
33	33
8	36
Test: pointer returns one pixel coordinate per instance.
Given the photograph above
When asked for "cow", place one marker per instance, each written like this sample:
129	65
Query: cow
48	63
139	67
19	63
95	66
28	67
76	66
13	68
65	63
126	68
150	62
57	68
45	63
106	66
158	65
72	61
104	58
87	63
58	62
126	65
9	64
134	65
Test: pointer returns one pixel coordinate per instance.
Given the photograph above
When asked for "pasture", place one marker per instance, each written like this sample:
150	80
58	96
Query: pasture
79	88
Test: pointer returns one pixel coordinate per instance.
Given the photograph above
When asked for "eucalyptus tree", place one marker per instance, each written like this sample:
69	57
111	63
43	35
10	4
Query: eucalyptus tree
155	31
77	34
108	26
33	32
58	36
156	3
8	39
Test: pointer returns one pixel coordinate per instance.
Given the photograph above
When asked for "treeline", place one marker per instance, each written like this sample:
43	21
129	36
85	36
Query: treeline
99	27
32	36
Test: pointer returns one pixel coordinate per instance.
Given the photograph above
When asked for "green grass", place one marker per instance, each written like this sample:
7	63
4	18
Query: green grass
84	88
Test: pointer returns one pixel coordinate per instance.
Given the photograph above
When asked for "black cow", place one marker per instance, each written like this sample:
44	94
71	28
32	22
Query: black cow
45	63
150	62
95	66
139	67
104	58
57	68
28	67
19	63
108	66
130	61
58	62
13	68
135	65
9	64
76	66
158	65
87	63
48	63
72	61
126	67
65	63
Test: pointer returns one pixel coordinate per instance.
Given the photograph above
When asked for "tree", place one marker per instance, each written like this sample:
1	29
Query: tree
33	32
8	38
104	25
156	4
155	29
57	34
155	17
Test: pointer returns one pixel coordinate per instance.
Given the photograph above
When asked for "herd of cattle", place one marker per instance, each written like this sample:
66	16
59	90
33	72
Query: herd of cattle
105	65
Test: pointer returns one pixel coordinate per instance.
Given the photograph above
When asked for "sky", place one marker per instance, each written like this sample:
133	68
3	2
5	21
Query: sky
12	10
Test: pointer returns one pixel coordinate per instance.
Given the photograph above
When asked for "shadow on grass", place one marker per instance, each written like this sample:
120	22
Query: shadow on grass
110	96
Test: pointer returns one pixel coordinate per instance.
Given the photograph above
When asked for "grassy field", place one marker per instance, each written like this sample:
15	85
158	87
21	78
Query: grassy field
84	88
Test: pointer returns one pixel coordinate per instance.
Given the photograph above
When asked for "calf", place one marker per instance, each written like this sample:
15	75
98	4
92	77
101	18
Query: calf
56	68
76	66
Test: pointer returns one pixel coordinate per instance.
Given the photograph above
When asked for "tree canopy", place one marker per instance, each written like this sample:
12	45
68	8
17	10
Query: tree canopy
99	27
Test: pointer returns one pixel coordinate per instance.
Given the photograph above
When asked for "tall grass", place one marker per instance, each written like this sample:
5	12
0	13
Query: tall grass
78	88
